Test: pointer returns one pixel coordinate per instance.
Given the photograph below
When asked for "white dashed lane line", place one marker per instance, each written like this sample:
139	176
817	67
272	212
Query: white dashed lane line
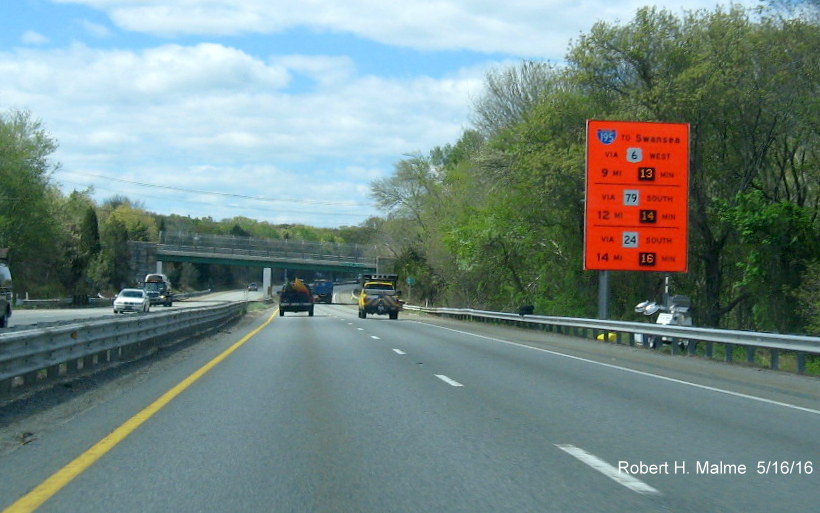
449	381
442	377
608	470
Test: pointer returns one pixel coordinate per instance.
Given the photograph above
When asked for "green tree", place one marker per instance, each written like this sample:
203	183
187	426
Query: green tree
740	85
780	244
28	222
81	243
808	301
114	266
502	210
238	231
139	224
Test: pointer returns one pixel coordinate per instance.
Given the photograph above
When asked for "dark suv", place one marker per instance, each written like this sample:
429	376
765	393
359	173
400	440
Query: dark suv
5	292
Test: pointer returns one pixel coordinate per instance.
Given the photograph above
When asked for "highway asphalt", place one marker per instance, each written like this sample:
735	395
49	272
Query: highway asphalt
24	317
333	413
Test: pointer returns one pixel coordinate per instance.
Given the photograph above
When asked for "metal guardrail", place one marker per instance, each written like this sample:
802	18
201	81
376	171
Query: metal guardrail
268	246
269	256
633	333
28	357
295	251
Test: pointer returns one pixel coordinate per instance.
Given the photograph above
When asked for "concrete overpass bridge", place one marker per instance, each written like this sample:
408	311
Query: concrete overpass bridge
289	255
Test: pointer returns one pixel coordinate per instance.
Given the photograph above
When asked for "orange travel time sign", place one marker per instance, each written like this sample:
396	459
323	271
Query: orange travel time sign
637	196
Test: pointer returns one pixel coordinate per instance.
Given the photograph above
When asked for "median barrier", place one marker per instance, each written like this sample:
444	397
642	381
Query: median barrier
35	356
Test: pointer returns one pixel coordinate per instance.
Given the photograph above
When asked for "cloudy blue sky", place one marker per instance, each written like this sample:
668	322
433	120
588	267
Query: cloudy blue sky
282	111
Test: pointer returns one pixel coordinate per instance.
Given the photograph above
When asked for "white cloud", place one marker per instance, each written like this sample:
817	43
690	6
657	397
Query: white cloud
30	37
326	71
213	117
535	28
109	138
95	29
210	117
80	73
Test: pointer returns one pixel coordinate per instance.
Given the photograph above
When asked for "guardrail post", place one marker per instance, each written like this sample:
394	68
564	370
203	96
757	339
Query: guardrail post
729	352
53	372
72	366
775	358
30	378
710	350
750	354
801	363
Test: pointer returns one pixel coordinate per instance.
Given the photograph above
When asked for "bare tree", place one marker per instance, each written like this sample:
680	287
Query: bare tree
510	94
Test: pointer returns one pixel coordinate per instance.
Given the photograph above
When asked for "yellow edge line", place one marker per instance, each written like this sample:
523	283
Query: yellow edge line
57	481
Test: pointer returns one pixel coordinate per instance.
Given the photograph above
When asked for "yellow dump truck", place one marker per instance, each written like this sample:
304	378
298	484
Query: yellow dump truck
378	295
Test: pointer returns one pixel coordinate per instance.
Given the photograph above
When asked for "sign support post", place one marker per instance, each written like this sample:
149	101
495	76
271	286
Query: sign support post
603	295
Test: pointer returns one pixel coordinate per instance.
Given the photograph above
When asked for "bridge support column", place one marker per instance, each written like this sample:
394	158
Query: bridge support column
159	266
266	282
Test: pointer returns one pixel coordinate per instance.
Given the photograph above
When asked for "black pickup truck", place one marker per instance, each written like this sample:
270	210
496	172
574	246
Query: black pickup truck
295	296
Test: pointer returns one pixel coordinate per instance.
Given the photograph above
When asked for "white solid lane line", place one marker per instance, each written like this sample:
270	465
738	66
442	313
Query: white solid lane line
634	371
449	381
398	351
608	470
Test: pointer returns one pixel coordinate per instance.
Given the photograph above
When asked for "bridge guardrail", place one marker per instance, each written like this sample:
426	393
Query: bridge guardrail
264	253
33	356
632	332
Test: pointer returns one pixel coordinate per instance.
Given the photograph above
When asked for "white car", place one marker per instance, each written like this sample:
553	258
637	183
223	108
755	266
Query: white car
132	300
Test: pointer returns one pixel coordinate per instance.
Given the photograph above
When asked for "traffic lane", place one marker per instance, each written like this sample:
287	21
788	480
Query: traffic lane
26	317
335	495
772	384
635	418
582	475
343	294
316	416
60	433
737	378
21	317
